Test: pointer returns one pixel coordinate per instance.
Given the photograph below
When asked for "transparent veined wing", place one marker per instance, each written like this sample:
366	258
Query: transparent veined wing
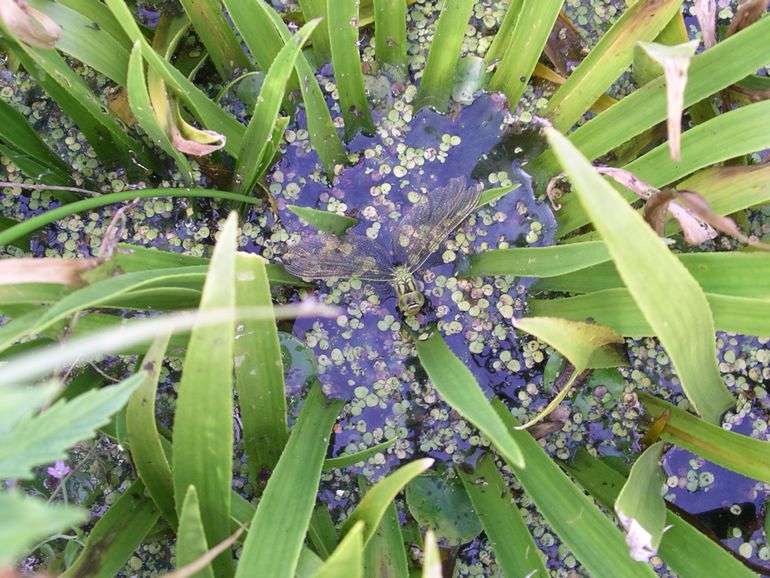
323	255
427	223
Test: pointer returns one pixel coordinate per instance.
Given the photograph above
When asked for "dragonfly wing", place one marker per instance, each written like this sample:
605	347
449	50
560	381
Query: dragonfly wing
323	255
426	224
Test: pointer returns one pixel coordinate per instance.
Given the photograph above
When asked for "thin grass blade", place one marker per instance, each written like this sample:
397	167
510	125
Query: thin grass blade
390	32
116	535
457	386
259	371
214	31
265	115
144	439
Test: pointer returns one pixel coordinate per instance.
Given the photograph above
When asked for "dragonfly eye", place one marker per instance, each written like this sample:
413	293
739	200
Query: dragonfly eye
411	303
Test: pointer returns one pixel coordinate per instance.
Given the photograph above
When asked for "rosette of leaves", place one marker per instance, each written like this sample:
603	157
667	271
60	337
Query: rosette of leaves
606	277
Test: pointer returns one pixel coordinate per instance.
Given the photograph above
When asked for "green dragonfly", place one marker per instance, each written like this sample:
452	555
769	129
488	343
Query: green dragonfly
421	230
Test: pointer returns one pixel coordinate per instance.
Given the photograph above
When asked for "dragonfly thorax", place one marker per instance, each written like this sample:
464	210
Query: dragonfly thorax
410	299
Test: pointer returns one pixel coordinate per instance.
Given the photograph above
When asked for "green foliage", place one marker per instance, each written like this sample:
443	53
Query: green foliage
27	520
609	267
30	440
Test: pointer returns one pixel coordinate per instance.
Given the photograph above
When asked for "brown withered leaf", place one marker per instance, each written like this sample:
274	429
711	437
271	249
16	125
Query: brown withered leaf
29	25
749	11
545	428
699	206
656	210
118	103
45	270
695	229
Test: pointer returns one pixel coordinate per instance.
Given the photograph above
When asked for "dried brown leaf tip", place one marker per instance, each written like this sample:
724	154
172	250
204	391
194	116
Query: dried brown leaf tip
675	61
30	26
700	207
46	270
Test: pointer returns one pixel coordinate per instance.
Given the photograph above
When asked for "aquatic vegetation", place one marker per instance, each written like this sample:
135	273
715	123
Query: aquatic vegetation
426	262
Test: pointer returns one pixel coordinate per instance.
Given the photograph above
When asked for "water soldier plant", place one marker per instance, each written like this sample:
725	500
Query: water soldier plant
479	385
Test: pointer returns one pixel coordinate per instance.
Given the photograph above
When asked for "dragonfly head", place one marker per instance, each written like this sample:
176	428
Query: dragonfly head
410	303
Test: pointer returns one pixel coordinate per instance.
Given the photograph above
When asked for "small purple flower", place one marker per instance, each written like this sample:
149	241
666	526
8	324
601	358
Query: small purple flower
59	470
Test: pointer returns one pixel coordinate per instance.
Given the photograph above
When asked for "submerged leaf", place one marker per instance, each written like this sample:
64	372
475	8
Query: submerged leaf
442	505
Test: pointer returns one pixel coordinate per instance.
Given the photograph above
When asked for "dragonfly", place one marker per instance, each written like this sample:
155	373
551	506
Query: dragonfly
422	229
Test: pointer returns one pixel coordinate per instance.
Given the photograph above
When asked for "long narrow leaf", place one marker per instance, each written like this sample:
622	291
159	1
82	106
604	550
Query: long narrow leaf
220	41
538	261
211	115
390	32
99	125
259	372
514	548
712	70
34	223
146	448
116	535
735	133
457	386
141	106
436	84
617	308
90	44
374	504
668	296
191	537
728	273
277	531
203	429
747	456
323	135
312	9
608	59
265	115
583	528
532	24
343	28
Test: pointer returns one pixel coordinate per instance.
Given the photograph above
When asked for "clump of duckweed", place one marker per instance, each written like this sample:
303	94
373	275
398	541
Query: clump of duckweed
367	354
